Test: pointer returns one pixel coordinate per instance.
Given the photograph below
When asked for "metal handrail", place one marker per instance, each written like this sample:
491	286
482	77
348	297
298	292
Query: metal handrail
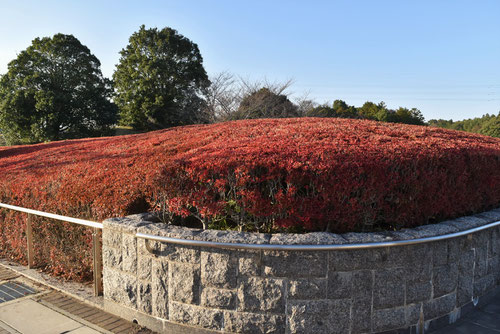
96	239
53	216
272	247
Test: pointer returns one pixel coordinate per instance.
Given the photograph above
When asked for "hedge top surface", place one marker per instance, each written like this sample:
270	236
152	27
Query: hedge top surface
313	173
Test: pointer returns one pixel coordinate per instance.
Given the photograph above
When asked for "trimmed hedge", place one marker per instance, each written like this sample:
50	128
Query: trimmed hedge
296	174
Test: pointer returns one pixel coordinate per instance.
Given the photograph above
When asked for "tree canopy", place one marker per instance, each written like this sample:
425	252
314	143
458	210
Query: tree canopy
265	104
159	80
54	90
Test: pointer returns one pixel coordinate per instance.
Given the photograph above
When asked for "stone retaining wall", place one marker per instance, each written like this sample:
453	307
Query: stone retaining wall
412	287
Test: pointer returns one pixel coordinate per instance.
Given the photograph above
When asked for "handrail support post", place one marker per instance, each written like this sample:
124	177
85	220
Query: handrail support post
149	248
29	241
97	261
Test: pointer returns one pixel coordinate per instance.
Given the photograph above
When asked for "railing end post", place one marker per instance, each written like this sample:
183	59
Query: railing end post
97	261
29	241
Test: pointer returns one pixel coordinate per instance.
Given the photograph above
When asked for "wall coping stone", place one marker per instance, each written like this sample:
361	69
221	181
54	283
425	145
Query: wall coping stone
149	224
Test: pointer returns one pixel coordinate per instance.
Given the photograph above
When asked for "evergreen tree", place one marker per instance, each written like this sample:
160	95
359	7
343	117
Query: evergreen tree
55	90
159	80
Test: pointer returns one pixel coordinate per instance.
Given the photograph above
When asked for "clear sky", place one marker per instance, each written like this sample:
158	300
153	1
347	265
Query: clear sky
441	56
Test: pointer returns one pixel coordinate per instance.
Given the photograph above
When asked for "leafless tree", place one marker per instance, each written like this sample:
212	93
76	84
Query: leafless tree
305	104
226	92
276	87
222	97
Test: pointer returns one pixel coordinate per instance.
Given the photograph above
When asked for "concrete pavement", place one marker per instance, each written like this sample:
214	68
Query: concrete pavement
28	307
483	320
28	316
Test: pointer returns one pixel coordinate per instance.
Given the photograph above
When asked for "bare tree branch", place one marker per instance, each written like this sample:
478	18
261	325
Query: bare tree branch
226	92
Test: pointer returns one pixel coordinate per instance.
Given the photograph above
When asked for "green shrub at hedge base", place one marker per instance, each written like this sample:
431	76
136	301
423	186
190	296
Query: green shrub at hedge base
304	174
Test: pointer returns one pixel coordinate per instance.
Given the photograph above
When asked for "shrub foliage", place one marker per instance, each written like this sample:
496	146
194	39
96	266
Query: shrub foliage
271	174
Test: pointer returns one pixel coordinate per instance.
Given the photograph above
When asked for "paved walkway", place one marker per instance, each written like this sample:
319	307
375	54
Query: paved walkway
29	316
485	320
27	307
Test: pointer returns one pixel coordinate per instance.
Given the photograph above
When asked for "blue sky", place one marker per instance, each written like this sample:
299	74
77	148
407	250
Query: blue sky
442	57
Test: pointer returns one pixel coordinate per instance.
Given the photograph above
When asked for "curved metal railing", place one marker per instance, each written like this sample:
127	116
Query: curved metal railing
96	239
273	247
97	232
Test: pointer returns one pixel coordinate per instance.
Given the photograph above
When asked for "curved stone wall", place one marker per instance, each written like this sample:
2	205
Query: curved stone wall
412	287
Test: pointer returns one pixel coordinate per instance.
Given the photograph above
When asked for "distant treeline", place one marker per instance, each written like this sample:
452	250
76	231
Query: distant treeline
231	98
369	110
488	125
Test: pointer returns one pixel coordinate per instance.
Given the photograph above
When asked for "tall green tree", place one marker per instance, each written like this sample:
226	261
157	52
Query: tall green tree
344	110
407	116
55	90
370	110
159	80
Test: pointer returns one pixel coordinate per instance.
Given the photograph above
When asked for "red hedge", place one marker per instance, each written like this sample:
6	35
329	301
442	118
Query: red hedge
336	174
